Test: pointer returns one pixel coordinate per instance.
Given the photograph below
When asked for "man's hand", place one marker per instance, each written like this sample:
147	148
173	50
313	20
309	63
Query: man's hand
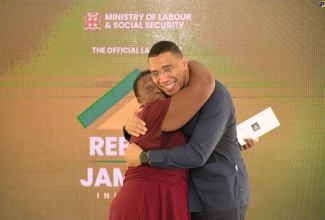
134	125
132	155
249	143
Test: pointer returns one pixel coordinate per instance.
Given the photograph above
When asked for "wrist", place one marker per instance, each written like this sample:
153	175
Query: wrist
145	158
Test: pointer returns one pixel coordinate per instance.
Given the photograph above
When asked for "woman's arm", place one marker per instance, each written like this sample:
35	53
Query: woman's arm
186	102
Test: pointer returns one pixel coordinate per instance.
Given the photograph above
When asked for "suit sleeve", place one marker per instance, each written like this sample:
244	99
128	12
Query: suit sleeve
127	136
211	125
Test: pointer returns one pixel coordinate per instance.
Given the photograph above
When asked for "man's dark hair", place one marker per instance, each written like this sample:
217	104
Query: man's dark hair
163	47
135	83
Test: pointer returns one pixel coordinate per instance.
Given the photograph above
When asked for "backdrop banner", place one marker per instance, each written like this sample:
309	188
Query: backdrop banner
66	74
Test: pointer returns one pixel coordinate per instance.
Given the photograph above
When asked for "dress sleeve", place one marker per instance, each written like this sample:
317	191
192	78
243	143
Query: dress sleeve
153	114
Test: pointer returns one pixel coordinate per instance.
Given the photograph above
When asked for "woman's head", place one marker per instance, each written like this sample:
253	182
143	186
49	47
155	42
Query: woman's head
145	90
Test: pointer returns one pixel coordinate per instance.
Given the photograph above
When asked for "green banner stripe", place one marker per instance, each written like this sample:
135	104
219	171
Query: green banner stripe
108	161
108	100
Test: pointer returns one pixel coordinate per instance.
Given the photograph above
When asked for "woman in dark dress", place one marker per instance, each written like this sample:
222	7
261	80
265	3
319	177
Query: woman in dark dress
149	193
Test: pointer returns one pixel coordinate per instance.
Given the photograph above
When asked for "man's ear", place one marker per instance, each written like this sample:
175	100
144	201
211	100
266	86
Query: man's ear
184	61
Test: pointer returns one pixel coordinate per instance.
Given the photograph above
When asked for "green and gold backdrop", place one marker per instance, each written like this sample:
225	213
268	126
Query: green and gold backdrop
65	73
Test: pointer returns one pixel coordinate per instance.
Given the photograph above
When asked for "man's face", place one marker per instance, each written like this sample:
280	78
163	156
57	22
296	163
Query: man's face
148	91
168	72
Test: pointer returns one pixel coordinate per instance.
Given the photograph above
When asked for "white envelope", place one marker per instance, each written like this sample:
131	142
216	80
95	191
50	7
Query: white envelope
257	125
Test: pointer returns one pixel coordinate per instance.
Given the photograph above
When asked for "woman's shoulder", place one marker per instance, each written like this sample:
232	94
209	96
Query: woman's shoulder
157	104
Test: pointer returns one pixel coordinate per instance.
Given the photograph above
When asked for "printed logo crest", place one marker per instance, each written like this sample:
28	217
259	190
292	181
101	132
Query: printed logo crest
92	21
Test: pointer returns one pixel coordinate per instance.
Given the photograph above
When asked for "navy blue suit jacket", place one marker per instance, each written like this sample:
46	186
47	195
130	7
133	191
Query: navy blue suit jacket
218	177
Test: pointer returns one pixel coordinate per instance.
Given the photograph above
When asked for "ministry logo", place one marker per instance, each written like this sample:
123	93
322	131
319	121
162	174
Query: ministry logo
92	21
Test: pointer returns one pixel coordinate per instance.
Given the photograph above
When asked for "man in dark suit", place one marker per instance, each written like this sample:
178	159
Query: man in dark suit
219	184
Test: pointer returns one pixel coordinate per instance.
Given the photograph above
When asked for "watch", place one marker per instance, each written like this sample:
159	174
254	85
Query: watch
145	157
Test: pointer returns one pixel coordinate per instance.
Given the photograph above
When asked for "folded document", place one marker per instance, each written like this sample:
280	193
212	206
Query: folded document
257	125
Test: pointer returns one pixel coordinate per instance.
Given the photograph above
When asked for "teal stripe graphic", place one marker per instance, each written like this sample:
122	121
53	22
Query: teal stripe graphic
107	101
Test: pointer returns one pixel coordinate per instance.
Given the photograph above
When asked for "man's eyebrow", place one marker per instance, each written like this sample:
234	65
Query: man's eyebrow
167	65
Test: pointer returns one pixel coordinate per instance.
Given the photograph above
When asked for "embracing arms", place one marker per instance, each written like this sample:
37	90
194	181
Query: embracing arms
186	102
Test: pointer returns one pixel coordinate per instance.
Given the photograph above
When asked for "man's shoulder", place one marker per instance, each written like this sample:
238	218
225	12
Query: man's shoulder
220	95
220	91
219	87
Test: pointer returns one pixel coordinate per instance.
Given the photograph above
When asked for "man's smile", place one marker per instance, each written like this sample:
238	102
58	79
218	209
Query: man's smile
170	85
